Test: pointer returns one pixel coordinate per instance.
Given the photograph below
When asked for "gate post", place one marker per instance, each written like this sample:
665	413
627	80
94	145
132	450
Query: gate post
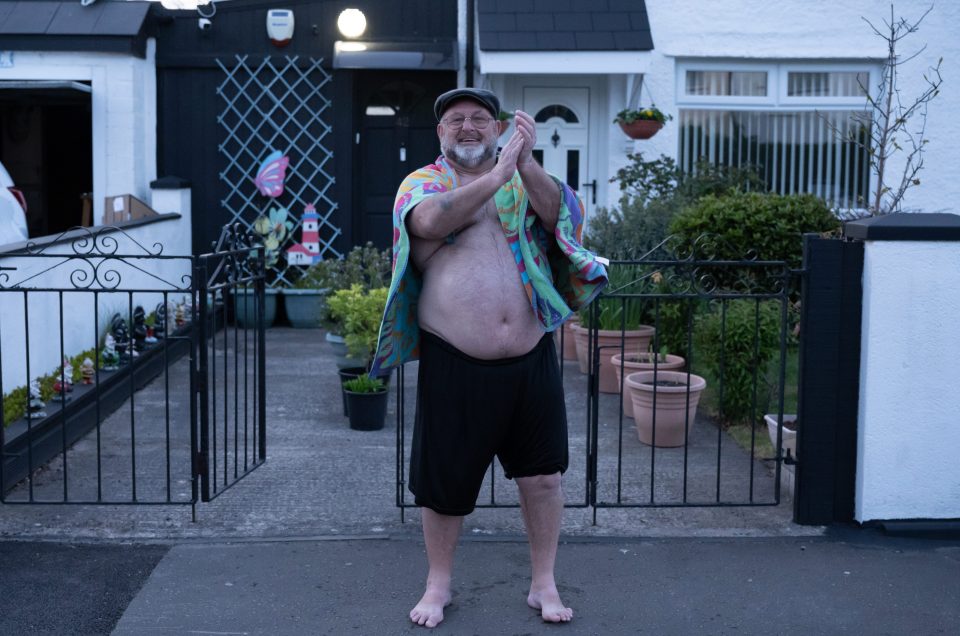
829	380
199	390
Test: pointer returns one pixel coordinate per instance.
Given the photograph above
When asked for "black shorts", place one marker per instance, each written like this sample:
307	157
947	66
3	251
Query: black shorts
470	410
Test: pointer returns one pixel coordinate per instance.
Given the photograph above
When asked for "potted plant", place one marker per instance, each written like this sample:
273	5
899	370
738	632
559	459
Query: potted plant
790	426
663	403
359	312
642	123
628	363
620	324
367	402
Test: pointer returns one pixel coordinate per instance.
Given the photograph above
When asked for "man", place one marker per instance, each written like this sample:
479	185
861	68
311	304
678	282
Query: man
486	260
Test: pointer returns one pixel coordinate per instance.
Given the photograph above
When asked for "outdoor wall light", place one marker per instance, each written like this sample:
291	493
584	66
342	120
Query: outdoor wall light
352	23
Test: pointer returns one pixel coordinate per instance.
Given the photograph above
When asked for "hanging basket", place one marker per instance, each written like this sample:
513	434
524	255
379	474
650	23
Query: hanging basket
641	128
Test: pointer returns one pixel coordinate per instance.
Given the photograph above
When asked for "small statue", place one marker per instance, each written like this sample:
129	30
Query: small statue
139	328
150	338
178	318
35	406
160	323
121	338
109	355
67	385
87	371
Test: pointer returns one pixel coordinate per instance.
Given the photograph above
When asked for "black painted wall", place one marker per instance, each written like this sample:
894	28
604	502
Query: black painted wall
187	77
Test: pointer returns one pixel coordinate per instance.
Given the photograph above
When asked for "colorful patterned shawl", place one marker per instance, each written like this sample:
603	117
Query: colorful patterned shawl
559	275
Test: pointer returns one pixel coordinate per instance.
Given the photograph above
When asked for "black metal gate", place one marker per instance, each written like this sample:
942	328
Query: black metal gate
731	320
148	406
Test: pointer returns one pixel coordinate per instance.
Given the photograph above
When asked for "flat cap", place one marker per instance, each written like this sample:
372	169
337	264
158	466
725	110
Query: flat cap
482	96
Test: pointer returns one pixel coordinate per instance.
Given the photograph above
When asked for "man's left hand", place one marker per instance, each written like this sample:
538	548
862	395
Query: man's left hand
528	130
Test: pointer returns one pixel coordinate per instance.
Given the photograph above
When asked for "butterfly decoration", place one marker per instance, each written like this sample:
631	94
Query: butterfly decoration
269	179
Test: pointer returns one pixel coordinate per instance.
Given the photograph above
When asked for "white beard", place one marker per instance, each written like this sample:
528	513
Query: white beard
469	156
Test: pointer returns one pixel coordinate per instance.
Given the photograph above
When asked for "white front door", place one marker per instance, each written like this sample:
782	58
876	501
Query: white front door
562	117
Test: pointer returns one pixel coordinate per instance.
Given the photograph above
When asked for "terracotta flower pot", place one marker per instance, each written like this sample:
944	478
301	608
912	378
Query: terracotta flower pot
641	128
634	341
673	409
569	342
641	362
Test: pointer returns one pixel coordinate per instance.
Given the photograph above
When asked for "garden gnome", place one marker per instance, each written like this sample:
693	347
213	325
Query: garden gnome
139	328
35	406
178	318
160	324
109	355
67	384
87	371
121	338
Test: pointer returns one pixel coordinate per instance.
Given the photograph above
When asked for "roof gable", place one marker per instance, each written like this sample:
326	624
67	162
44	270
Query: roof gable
563	25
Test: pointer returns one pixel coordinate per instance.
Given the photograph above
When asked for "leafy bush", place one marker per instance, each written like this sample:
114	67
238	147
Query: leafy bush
366	266
769	226
365	384
737	346
359	312
654	193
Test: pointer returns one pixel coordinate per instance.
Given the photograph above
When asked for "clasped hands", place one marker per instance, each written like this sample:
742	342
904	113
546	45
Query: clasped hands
518	151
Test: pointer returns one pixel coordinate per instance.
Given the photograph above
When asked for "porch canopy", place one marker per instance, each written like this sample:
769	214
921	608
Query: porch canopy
563	37
41	25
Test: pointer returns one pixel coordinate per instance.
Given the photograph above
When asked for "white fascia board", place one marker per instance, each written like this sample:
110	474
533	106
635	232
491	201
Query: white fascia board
565	62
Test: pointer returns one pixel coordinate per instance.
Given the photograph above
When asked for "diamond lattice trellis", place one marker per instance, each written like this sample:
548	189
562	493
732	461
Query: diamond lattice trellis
277	105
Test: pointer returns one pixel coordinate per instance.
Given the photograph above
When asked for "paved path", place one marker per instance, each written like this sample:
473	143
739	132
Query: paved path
312	543
323	479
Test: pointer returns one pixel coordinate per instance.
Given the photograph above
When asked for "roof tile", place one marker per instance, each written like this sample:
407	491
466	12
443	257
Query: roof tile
572	21
497	22
595	41
555	41
611	21
517	41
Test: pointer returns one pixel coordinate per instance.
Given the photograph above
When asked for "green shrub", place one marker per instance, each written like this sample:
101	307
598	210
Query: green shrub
364	384
359	312
768	226
654	193
735	348
366	266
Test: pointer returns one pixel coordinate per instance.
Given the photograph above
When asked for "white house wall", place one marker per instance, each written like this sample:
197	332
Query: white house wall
908	425
814	30
123	104
818	31
78	316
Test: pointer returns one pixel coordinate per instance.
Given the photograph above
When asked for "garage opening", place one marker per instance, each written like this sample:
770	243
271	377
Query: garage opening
46	144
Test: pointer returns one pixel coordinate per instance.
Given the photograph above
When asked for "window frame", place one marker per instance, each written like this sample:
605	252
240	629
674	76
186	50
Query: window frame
777	74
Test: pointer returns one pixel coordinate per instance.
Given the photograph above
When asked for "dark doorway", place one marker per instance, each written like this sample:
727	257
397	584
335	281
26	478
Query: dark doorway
46	144
397	135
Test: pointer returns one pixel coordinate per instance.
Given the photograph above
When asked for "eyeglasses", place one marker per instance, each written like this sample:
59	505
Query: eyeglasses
480	122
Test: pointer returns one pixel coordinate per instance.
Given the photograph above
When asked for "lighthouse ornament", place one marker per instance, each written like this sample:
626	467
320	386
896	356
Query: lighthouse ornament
307	252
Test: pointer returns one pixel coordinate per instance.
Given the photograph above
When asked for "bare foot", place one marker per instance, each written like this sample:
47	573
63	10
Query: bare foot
551	608
429	611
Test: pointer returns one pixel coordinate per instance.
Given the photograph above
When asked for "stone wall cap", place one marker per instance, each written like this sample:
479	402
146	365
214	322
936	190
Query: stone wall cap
932	226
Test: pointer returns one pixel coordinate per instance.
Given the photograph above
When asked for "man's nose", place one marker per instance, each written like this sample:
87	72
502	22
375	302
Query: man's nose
470	121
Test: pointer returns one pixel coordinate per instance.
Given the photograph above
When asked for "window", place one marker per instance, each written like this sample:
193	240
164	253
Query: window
793	124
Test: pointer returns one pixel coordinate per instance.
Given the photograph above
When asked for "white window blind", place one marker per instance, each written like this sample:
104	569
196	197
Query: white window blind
793	152
727	83
829	84
791	123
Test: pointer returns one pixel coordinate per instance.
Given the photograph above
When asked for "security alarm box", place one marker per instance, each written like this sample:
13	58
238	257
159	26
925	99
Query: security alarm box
280	26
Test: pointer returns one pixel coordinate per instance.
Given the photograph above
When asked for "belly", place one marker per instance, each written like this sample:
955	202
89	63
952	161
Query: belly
472	297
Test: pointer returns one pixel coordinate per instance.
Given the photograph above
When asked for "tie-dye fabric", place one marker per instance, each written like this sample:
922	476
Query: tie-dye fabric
559	275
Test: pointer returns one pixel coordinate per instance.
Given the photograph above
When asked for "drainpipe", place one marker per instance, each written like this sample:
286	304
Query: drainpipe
470	43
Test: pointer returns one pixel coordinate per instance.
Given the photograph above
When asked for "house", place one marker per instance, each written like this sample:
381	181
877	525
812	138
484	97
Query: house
124	92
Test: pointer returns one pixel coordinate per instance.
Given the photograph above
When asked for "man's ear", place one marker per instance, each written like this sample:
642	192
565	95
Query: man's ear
440	131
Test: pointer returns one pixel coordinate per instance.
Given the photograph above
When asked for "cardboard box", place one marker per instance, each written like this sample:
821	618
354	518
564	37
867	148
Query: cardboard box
125	207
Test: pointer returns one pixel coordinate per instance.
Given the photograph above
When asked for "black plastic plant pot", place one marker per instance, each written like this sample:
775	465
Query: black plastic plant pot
348	373
368	411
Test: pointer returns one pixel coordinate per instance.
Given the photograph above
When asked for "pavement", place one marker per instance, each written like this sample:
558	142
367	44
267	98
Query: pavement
312	542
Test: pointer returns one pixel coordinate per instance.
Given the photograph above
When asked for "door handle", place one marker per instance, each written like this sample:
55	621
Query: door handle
593	188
